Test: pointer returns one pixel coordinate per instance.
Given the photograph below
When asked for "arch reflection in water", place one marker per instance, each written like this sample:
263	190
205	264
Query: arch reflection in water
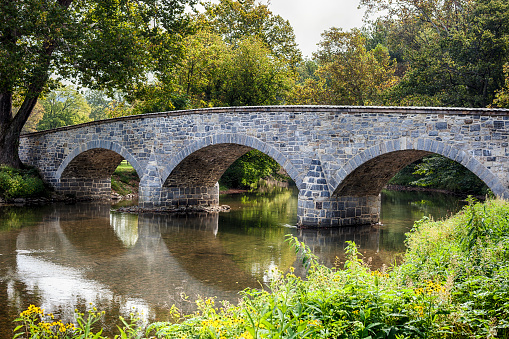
125	227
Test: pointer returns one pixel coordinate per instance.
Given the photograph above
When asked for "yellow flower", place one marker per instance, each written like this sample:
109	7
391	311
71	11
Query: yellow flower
246	335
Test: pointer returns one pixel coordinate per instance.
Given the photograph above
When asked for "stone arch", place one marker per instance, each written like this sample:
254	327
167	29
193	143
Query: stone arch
246	143
366	173
97	145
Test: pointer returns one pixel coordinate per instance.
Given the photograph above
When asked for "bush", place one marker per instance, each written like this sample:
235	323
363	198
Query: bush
20	183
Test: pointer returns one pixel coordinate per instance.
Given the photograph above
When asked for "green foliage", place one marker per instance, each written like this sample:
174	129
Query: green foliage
252	76
406	176
451	53
438	172
24	183
236	21
64	107
348	73
107	44
247	170
240	54
125	179
470	253
15	217
215	73
98	103
502	96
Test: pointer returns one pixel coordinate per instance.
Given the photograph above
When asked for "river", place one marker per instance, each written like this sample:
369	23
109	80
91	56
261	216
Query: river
66	257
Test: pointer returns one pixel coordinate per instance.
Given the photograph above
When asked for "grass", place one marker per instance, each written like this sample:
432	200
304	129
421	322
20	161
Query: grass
125	180
453	283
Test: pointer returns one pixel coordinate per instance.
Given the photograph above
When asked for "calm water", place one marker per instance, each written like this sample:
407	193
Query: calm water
67	257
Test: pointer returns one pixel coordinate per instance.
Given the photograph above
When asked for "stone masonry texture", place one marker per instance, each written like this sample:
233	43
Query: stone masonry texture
340	157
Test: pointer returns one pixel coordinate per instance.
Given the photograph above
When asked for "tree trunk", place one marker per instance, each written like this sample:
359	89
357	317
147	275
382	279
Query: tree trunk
8	145
10	127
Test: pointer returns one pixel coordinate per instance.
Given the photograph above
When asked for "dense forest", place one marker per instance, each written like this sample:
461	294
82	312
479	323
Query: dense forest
239	53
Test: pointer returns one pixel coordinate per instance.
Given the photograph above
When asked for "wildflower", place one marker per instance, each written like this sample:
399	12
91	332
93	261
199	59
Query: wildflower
246	335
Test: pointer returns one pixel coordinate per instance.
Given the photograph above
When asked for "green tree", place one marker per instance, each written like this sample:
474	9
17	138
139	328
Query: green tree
214	73
502	96
237	20
437	171
200	75
64	107
253	76
99	103
348	73
454	51
248	169
107	44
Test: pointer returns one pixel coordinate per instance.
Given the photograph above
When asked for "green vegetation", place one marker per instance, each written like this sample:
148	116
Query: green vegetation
100	44
63	107
16	217
453	283
20	183
438	172
248	171
125	180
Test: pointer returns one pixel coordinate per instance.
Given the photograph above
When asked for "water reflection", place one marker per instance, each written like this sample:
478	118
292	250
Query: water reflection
125	227
64	257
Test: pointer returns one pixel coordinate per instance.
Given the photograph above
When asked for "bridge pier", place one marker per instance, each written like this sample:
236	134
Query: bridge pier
339	211
317	206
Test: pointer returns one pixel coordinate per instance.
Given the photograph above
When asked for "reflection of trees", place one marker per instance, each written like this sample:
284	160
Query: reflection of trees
262	210
257	250
15	217
414	205
252	230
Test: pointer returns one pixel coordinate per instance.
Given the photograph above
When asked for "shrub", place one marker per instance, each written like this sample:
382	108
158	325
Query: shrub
20	183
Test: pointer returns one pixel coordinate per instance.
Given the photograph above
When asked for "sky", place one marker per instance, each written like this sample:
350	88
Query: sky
310	18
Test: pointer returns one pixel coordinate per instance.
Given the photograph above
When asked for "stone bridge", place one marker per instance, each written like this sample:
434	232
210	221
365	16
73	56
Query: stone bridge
340	157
